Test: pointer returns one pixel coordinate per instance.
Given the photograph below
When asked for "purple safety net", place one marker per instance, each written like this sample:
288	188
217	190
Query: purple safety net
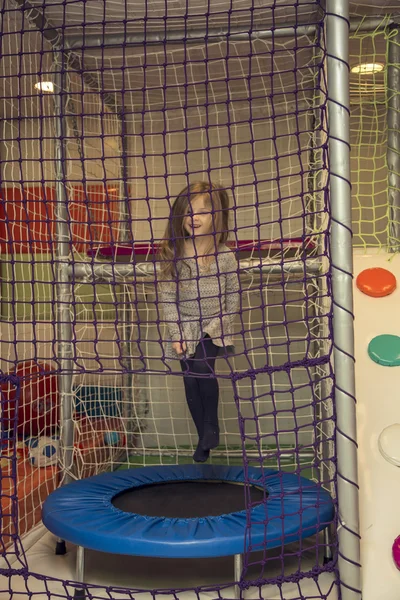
165	272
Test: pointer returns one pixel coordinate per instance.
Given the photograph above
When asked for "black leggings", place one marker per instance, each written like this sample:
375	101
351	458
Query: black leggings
202	392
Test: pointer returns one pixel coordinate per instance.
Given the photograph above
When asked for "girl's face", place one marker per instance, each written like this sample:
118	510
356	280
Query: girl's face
198	220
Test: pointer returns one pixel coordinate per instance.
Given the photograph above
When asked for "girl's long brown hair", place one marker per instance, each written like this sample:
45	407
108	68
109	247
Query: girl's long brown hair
173	242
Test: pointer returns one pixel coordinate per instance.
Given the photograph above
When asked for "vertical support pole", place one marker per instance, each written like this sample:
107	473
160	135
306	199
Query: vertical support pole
337	31
393	147
321	415
125	316
80	572
63	282
314	195
317	287
125	234
238	568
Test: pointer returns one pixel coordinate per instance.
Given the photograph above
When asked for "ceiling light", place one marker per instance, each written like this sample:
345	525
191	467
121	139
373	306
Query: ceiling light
367	68
45	86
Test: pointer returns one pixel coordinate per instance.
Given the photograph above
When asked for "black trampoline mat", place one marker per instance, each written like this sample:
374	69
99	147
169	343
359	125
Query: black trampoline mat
186	499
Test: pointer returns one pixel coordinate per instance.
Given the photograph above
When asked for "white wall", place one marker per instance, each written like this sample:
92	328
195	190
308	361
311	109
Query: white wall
264	177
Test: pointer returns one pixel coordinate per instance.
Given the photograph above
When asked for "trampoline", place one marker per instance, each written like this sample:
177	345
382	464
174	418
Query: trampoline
187	511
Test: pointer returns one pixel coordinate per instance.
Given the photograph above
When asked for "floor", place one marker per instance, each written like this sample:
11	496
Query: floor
142	573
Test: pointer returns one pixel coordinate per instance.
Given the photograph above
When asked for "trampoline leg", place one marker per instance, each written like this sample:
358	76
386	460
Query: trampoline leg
327	543
61	548
80	572
238	568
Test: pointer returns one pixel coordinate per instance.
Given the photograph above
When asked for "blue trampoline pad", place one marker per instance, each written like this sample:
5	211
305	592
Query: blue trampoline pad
289	508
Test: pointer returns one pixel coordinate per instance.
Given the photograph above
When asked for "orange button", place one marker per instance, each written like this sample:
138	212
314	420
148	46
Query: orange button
376	282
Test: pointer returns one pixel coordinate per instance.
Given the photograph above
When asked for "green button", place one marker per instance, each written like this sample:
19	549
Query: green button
385	350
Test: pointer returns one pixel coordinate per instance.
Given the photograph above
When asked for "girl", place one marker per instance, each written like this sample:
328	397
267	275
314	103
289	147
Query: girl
199	294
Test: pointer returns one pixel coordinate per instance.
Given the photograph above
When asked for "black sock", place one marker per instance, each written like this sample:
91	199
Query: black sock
202	392
200	455
210	437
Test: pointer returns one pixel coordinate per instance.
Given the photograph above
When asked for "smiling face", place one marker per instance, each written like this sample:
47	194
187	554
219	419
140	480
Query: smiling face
198	215
199	219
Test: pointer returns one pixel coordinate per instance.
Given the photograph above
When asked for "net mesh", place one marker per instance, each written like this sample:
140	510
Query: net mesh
89	383
369	95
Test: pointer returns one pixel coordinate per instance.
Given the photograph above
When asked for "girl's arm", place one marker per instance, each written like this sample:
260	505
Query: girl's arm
232	287
168	304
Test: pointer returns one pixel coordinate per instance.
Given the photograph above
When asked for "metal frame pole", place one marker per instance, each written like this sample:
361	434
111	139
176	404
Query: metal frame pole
63	282
79	593
320	392
314	191
200	36
238	568
110	272
125	316
125	212
318	291
393	147
337	31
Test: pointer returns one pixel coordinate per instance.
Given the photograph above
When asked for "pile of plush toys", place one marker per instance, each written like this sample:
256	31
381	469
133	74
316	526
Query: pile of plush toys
30	416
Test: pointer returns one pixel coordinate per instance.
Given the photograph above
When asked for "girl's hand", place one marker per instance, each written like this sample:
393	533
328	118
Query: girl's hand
179	348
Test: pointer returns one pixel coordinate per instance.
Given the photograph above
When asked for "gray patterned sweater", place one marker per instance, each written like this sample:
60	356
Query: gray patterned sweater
201	301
